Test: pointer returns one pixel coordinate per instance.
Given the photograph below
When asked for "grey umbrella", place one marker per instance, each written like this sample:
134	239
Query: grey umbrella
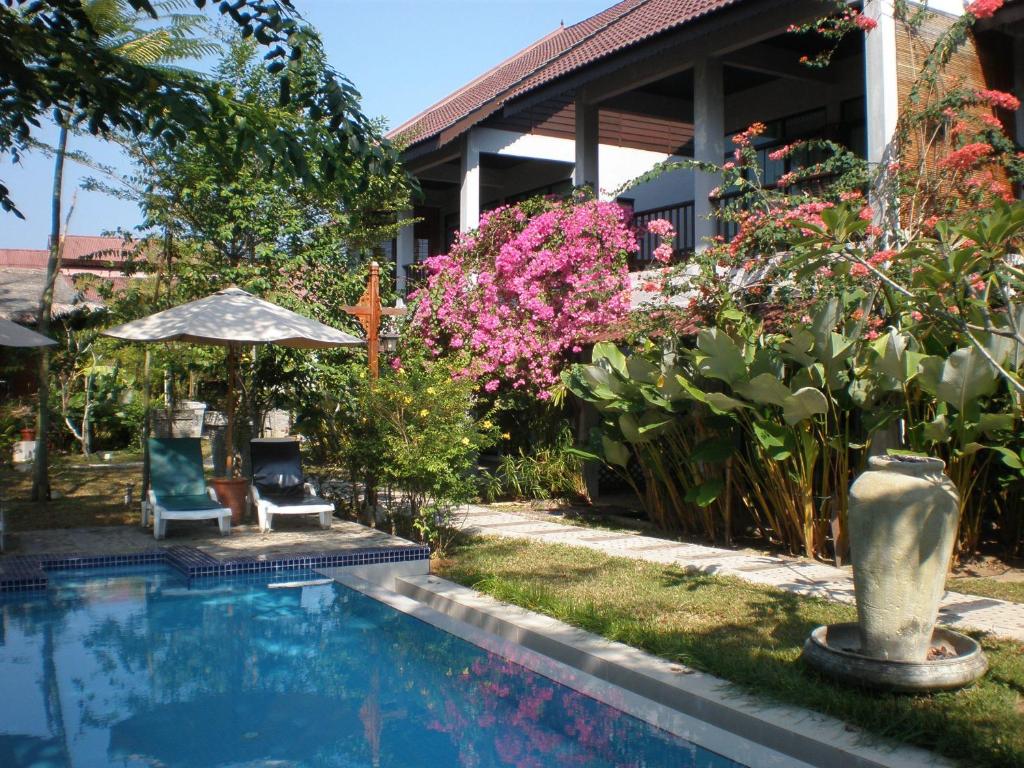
233	318
14	335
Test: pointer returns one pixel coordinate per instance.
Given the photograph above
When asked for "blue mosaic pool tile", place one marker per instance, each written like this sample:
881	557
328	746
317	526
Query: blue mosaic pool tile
25	573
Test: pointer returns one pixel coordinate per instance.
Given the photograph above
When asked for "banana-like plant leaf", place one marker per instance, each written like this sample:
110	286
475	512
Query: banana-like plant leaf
723	403
777	441
642	370
764	389
705	493
804	404
960	379
615	452
1010	458
719	356
630	428
992	423
606	351
798	346
936	430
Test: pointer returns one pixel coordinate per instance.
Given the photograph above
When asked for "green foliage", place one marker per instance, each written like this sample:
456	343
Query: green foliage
419	435
57	61
545	472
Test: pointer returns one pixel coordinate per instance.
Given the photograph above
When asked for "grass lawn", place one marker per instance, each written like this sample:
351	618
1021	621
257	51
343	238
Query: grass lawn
1001	590
83	496
748	634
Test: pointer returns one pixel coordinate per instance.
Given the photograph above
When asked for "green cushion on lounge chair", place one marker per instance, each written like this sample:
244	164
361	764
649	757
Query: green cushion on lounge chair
187	503
176	467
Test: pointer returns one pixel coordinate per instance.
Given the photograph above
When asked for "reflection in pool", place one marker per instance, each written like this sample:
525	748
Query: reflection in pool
138	668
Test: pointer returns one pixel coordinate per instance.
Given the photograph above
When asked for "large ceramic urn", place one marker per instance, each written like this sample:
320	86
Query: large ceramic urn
903	517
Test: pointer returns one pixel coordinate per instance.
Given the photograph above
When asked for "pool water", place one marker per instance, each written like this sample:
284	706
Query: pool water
138	667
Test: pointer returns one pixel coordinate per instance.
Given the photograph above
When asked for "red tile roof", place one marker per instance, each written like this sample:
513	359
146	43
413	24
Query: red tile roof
76	248
565	50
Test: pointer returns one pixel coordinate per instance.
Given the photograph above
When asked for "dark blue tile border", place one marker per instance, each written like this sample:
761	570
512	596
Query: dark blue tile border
27	573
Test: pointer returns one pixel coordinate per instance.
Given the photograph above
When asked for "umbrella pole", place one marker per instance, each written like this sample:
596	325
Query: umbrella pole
229	430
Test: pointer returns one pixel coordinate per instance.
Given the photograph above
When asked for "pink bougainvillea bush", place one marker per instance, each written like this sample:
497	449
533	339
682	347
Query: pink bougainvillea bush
532	285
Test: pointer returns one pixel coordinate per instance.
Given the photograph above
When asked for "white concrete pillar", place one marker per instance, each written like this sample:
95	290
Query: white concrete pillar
405	251
469	193
708	142
586	172
882	98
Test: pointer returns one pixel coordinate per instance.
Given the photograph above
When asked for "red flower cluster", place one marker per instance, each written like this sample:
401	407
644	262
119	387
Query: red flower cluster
999	99
983	9
966	157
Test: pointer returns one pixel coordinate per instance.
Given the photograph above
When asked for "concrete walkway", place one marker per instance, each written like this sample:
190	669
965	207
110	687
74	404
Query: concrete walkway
804	577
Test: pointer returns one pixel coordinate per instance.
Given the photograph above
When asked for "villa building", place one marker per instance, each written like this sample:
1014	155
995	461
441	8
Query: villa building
603	101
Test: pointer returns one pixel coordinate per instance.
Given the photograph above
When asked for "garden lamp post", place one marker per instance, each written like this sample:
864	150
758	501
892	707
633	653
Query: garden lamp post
369	313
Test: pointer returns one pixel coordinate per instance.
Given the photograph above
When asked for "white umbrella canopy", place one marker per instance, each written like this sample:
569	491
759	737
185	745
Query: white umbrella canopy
234	317
14	335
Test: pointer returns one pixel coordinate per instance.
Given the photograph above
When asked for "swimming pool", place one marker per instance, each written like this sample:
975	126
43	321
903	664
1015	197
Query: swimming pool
140	667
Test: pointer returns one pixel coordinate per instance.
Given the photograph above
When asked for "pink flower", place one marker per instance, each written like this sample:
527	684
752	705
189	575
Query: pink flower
999	99
865	23
859	270
663	253
966	157
983	9
661	227
396	363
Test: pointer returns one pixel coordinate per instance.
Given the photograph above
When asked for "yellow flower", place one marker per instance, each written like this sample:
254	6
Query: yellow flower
431	391
506	436
487	425
407	400
424	412
465	441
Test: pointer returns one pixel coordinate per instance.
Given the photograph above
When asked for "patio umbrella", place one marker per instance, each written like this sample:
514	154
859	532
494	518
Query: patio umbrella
14	335
233	318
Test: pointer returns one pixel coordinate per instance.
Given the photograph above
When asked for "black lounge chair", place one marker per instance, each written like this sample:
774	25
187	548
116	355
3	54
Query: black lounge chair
278	485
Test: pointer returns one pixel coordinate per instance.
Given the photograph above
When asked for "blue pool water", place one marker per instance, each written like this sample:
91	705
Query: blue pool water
139	668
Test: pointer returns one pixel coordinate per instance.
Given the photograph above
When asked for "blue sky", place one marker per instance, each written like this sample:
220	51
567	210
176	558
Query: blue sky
402	55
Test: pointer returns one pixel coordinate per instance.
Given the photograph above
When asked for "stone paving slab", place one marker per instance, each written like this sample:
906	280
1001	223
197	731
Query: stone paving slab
802	577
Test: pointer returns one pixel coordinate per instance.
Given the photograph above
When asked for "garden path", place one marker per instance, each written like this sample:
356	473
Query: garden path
803	577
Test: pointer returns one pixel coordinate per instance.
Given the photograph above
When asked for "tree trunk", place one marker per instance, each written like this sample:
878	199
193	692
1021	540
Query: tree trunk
41	470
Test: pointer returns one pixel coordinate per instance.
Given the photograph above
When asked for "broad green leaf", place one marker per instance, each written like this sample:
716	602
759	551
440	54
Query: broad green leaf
991	423
642	370
1010	458
723	403
936	430
615	452
776	439
764	389
706	493
631	428
719	356
960	379
605	350
804	404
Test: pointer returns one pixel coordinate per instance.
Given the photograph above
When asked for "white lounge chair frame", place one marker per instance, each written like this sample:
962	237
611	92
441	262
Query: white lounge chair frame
161	515
266	509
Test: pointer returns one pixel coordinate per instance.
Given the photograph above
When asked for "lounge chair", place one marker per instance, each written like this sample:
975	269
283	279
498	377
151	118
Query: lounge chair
177	488
278	485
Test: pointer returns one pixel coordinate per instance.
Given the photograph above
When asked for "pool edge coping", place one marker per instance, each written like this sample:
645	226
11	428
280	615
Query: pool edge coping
657	689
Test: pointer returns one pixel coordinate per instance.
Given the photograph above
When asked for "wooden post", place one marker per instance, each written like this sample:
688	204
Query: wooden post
229	431
369	313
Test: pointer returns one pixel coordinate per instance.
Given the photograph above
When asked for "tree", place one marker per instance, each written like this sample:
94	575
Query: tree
119	30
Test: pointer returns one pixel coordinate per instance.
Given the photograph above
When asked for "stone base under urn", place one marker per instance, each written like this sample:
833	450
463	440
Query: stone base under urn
955	660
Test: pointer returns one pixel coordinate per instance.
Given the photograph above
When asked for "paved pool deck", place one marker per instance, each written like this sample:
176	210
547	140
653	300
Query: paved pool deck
197	549
800	576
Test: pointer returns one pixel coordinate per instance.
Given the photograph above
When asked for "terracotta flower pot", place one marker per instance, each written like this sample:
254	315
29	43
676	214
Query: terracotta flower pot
27	433
903	518
234	494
